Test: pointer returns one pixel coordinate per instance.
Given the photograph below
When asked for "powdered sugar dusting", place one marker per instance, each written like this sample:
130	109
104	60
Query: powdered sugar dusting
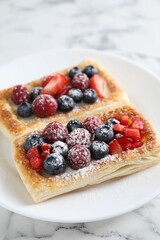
79	136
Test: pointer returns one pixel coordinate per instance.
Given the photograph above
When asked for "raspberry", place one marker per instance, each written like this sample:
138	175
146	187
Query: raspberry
81	81
79	136
55	131
44	106
36	163
79	156
20	94
92	123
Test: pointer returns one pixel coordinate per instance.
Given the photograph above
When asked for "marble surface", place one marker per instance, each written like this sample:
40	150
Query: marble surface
127	27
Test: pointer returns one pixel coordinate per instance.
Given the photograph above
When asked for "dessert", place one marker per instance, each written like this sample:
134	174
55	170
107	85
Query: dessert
60	158
76	92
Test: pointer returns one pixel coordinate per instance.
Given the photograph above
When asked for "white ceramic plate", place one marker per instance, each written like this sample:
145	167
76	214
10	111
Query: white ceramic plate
101	201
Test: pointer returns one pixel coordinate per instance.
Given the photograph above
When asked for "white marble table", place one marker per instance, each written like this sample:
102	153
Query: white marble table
127	27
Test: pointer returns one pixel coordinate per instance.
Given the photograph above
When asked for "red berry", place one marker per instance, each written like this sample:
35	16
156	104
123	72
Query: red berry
92	123
44	154
44	106
137	144
32	152
125	143
119	128
46	80
36	163
114	147
45	146
20	94
137	123
79	156
133	133
56	84
99	85
125	120
81	81
55	131
64	91
79	136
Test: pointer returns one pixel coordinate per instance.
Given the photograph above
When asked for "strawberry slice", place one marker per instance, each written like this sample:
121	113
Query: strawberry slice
46	80
136	144
64	91
115	147
56	84
119	128
125	120
125	143
32	152
44	154
132	133
137	123
36	163
45	146
99	85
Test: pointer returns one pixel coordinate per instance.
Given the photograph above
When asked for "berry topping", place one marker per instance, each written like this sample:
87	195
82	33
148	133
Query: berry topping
64	91
79	156
99	85
33	140
36	163
90	96
99	149
114	147
137	144
65	103
45	146
72	124
90	70
44	154
35	93
24	110
20	94
137	123
54	164
126	143
79	136
33	152
60	148
56	84
80	81
104	133
112	121
119	128
46	80
76	94
132	133
44	106
125	120
55	131
92	123
74	71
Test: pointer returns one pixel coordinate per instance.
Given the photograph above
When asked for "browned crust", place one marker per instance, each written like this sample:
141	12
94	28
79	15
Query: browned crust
39	185
12	125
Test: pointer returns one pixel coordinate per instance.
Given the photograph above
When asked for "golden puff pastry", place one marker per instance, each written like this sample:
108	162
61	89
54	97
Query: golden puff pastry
11	125
112	166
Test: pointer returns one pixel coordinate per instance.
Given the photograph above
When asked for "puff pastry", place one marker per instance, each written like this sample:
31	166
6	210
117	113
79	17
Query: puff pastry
127	162
11	125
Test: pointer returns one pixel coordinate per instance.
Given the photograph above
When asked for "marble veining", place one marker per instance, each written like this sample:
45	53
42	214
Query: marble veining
126	27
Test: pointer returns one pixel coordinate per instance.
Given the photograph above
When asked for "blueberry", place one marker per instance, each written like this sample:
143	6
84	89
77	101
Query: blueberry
112	121
65	103
90	70
54	164
33	140
90	96
35	93
24	110
76	94
74	71
99	149
60	148
104	133
72	124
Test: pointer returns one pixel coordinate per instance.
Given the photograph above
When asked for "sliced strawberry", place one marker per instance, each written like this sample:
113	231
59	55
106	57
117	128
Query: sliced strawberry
119	128
56	84
45	146
125	143
36	163
137	123
46	80
137	144
142	133
32	152
115	147
64	91
44	154
99	85
132	133
125	120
